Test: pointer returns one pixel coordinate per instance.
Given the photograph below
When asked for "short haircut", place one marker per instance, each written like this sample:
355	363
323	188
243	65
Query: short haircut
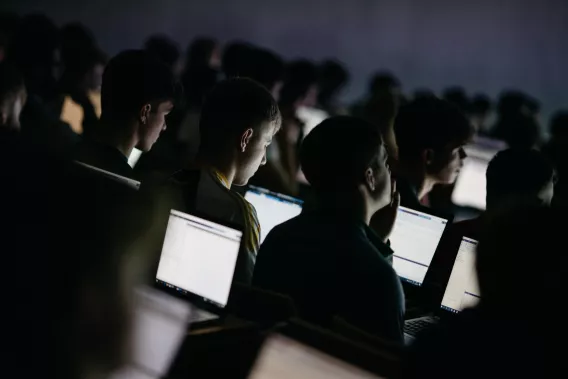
134	78
383	81
332	77
480	104
336	153
233	106
265	67
517	172
429	123
236	58
163	48
457	96
11	81
199	52
300	76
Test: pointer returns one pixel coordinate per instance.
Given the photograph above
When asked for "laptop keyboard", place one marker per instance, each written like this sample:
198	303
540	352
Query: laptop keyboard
413	327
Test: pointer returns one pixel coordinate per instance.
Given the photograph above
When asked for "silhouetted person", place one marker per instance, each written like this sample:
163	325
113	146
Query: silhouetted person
328	259
137	94
457	96
167	51
201	71
517	120
266	68
559	126
557	150
12	98
238	122
35	52
430	134
236	58
333	77
479	112
8	25
507	334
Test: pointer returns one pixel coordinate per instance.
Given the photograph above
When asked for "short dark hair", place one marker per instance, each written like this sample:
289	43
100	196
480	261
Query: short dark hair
480	104
336	153
265	67
383	81
429	123
233	106
332	77
134	78
559	124
164	48
517	172
457	96
11	81
236	58
299	77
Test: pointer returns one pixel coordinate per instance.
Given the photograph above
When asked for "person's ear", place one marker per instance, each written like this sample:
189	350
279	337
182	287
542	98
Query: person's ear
245	139
370	179
145	114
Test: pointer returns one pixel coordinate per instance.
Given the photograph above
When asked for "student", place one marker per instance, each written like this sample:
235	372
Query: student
508	334
480	111
136	96
12	98
430	134
167	51
328	259
556	149
332	79
238	121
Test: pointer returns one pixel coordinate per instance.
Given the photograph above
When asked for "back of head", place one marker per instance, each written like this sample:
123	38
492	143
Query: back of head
559	125
233	106
300	76
336	153
236	58
265	67
519	131
199	53
456	95
382	82
480	105
134	78
163	48
332	77
519	175
510	102
429	123
520	265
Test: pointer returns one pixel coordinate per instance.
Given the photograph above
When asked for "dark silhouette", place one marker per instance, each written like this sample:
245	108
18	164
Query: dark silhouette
479	113
517	122
430	134
505	332
328	259
12	98
8	25
201	71
557	150
559	126
137	93
236	59
457	96
167	51
238	121
333	77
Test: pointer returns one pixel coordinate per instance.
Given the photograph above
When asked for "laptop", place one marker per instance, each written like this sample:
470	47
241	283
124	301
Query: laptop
272	208
470	187
198	262
462	290
303	351
414	240
134	184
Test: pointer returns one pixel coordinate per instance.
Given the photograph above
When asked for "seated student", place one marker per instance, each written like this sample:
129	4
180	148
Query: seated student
136	96
328	259
12	99
509	332
430	134
238	121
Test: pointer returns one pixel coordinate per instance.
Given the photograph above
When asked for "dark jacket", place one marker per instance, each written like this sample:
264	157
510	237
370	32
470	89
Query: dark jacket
104	157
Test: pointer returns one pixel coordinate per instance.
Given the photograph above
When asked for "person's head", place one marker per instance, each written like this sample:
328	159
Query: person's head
511	103
238	121
8	25
266	68
12	96
512	280
166	50
236	58
430	134
559	125
517	176
332	78
35	50
520	131
300	85
479	111
345	155
137	94
456	95
202	53
384	82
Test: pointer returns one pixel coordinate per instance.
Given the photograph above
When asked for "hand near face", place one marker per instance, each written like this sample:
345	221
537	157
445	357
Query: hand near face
383	220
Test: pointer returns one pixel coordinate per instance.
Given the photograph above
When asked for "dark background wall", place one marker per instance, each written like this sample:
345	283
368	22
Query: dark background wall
483	45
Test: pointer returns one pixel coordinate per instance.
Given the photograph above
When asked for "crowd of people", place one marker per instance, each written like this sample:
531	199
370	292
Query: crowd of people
218	118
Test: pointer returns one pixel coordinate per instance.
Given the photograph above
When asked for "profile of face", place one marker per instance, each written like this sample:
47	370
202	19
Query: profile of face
11	108
443	166
151	123
546	194
251	152
94	77
378	180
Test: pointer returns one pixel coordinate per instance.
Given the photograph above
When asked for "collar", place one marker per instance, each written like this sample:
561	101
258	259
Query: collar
221	178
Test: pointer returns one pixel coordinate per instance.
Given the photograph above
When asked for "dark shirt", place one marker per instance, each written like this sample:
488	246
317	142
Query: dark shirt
408	194
105	157
333	266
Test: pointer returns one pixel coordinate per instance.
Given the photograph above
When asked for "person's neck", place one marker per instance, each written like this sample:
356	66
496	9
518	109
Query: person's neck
417	178
218	163
349	205
124	143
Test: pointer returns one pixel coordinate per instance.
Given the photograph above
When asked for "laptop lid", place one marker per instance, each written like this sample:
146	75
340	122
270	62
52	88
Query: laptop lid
272	208
134	184
470	187
462	290
199	257
414	239
303	351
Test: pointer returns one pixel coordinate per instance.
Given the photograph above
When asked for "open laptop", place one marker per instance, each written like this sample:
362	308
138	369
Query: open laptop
198	262
470	188
414	239
312	353
134	184
272	208
462	290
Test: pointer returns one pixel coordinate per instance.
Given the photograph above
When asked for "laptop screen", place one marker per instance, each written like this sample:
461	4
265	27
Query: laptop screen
462	290
469	190
414	239
199	257
283	358
272	208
